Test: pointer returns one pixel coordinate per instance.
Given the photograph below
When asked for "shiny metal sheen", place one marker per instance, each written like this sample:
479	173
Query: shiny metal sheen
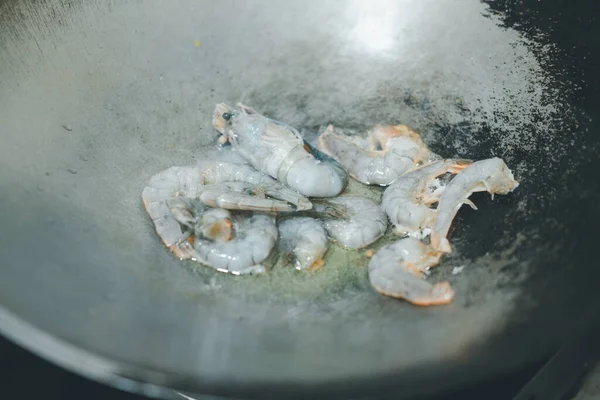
97	96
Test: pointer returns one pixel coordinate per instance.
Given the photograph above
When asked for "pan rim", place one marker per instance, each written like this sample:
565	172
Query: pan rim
137	379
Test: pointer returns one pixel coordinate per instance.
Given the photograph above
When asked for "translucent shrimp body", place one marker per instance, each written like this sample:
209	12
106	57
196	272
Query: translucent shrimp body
491	175
220	172
177	219
241	196
279	151
177	198
305	239
406	201
396	271
172	182
215	224
224	185
255	237
364	224
161	196
389	152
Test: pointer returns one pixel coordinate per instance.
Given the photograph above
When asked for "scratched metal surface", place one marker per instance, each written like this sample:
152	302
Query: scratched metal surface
97	96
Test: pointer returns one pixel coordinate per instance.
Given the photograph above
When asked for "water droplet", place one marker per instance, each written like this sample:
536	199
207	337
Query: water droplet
68	127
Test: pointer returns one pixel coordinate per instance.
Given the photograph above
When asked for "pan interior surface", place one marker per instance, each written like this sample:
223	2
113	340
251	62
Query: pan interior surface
96	97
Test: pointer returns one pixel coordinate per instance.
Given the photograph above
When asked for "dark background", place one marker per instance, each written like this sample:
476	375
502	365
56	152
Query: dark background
573	26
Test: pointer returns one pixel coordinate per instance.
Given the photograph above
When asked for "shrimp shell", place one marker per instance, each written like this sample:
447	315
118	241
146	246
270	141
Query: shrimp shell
406	201
279	151
491	175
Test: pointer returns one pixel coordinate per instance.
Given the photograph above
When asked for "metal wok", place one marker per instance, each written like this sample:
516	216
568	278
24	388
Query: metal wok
95	97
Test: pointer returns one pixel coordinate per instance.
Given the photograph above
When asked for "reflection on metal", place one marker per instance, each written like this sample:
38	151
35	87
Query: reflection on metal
376	25
202	397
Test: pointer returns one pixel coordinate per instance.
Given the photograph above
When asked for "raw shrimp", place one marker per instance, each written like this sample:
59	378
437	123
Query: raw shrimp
364	224
242	187
491	175
160	198
177	219
219	172
170	194
172	182
280	151
396	271
305	239
196	217
391	152
406	201
241	196
255	237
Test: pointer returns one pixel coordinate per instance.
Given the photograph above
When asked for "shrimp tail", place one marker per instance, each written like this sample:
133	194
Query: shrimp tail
300	202
328	209
242	201
320	155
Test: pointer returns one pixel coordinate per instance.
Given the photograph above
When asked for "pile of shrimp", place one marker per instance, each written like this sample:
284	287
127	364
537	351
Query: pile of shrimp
286	200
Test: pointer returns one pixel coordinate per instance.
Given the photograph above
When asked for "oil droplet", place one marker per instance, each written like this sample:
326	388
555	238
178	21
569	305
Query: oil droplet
197	43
